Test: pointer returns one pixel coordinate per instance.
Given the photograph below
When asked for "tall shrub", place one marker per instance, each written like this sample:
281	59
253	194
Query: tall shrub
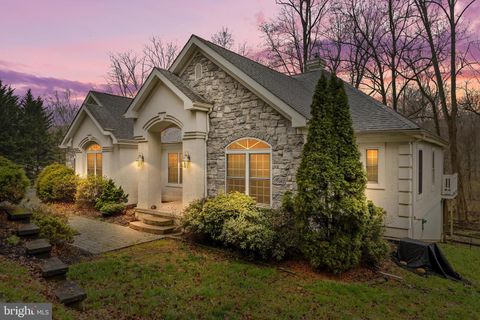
57	182
317	177
13	181
331	205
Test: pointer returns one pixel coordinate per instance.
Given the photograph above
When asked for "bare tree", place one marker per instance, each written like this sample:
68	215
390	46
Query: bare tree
128	70
295	35
223	38
159	54
127	73
449	107
64	107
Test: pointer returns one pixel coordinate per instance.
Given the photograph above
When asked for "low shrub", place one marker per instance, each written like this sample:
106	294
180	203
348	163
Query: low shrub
54	228
234	220
13	181
111	195
89	190
251	237
96	191
110	208
12	240
57	182
374	248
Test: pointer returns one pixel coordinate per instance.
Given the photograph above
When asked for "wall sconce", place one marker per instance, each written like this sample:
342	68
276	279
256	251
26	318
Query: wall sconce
186	160
140	160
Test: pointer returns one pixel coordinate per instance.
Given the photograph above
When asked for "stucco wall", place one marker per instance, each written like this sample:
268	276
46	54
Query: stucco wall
118	161
238	113
427	205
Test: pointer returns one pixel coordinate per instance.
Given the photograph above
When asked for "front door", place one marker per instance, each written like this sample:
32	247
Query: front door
172	172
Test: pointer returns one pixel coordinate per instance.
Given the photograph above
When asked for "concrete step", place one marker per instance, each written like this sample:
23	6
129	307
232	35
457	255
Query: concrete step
69	293
140	213
28	229
18	214
53	267
140	226
157	221
40	248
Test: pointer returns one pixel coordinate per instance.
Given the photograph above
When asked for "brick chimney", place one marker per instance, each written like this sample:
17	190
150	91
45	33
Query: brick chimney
315	63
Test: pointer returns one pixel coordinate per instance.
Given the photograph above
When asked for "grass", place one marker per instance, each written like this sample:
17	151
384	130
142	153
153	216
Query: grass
167	279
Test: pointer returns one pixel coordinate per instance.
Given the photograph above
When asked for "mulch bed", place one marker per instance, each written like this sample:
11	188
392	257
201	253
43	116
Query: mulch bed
297	266
67	209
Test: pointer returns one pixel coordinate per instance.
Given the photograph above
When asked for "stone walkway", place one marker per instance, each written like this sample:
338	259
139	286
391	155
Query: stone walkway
98	236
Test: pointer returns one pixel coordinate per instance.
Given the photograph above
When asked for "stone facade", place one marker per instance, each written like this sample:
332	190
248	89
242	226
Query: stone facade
239	113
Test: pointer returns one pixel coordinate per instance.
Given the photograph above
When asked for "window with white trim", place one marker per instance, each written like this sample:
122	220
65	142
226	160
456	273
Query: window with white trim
94	160
175	168
249	169
371	165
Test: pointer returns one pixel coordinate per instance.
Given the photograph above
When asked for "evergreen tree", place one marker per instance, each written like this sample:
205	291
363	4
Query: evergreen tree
9	123
36	140
317	178
330	205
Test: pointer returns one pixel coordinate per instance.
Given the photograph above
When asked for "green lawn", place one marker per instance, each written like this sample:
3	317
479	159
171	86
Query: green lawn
168	279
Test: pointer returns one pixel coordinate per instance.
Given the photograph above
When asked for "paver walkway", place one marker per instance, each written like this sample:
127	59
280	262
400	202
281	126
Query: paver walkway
98	236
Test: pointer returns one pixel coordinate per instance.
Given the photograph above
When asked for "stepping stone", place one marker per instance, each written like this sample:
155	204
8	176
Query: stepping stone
39	248
18	214
53	267
28	229
70	293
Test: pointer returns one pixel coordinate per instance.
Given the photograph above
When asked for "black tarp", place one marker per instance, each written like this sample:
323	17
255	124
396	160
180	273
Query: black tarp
414	254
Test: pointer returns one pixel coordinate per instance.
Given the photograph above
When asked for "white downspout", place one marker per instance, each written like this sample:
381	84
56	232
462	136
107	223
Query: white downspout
205	188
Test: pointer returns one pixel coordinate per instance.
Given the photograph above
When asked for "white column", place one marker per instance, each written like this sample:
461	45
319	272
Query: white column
194	175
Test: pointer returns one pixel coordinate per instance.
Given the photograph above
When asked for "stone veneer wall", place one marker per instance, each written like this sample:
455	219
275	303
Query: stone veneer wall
238	113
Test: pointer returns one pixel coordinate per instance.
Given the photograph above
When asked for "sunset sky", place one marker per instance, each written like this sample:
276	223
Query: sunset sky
52	45
58	44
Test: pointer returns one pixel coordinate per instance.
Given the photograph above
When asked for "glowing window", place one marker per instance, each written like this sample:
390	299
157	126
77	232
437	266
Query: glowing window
174	168
372	165
94	160
248	169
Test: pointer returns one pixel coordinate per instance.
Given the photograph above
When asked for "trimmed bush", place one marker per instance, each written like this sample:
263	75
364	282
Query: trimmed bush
89	190
13	181
251	237
235	221
374	248
209	216
54	228
111	194
57	182
110	208
102	194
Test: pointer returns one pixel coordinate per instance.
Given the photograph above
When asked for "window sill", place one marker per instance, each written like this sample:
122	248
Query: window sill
374	186
170	185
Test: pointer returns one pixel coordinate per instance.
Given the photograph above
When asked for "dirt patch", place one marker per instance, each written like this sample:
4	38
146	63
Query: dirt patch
67	209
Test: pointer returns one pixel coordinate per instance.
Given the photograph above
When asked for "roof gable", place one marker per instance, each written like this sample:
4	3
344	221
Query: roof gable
191	100
248	73
106	111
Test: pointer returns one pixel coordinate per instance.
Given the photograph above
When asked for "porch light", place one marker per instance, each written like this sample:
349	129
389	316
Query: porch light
140	160
185	160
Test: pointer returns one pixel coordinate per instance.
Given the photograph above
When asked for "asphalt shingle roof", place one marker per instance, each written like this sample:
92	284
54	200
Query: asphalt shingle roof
297	91
110	114
182	86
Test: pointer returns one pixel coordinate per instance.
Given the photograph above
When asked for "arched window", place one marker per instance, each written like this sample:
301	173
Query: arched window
94	160
198	71
249	169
